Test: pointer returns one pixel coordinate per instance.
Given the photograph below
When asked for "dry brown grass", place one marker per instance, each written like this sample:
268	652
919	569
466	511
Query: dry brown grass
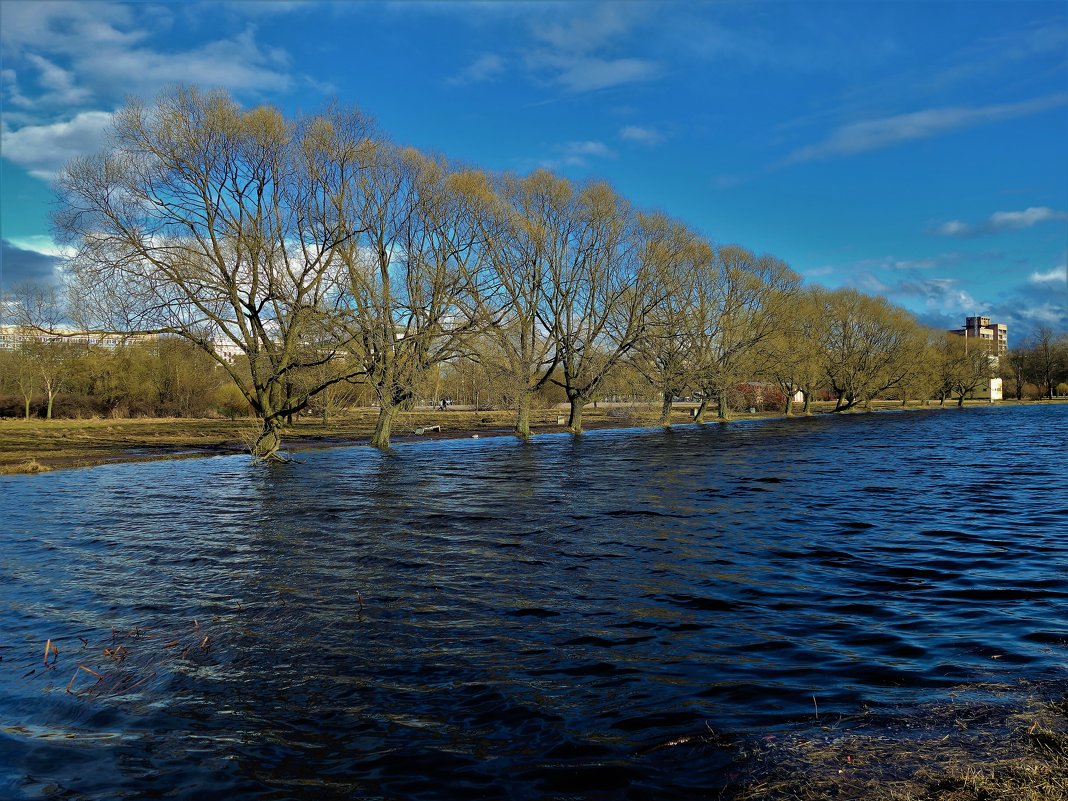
28	466
1008	748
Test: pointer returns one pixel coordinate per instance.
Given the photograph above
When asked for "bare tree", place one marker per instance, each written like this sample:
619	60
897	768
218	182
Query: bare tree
974	368
599	293
742	297
218	224
792	354
870	346
406	276
524	223
1016	366
675	332
924	378
21	374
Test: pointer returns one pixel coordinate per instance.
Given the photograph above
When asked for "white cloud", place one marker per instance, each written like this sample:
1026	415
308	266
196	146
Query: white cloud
589	73
578	154
876	134
1058	275
484	68
238	64
44	245
67	65
580	53
68	26
953	228
940	297
1002	221
645	136
590	31
58	81
944	294
43	150
64	58
928	263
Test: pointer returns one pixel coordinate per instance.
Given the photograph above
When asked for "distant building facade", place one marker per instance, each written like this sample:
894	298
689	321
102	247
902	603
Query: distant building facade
12	337
994	337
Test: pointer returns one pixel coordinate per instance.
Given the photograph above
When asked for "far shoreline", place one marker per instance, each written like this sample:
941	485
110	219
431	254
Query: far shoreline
37	446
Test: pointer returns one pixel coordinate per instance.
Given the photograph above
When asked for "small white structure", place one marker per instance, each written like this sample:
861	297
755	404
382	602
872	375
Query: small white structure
989	390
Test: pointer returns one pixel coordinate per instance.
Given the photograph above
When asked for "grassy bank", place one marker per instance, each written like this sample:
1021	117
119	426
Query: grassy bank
985	743
28	446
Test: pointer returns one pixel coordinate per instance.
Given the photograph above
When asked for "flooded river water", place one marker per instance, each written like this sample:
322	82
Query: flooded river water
491	618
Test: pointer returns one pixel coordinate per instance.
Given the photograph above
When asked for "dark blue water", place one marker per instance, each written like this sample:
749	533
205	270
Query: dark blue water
490	618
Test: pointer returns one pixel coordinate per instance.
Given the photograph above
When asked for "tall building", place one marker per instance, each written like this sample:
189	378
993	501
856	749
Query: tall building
979	330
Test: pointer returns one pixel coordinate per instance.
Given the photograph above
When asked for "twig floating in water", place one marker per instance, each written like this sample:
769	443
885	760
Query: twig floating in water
87	670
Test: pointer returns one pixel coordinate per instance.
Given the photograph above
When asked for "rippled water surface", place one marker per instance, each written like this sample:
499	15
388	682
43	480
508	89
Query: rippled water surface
492	618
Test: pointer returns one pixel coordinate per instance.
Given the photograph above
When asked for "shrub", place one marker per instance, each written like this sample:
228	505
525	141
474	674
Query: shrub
230	402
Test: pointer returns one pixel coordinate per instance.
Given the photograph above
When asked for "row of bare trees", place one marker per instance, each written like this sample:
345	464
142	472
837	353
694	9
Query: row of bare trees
328	256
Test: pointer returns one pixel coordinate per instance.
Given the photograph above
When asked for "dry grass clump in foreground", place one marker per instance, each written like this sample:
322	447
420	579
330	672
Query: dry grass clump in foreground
29	466
998	749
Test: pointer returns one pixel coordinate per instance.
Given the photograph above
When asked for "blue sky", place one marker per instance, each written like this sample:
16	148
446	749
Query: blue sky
916	150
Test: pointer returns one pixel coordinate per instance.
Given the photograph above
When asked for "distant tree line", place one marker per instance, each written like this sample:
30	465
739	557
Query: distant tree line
1038	368
337	262
170	379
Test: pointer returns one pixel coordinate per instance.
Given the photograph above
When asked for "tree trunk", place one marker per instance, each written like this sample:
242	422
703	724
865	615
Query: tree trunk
48	408
960	401
387	414
269	441
808	401
27	398
700	416
665	410
574	420
724	409
522	419
789	410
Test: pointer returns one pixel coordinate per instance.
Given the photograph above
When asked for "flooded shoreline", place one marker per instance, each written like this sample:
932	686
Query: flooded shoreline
101	439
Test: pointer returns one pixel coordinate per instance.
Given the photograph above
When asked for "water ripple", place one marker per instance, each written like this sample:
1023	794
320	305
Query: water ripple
495	618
